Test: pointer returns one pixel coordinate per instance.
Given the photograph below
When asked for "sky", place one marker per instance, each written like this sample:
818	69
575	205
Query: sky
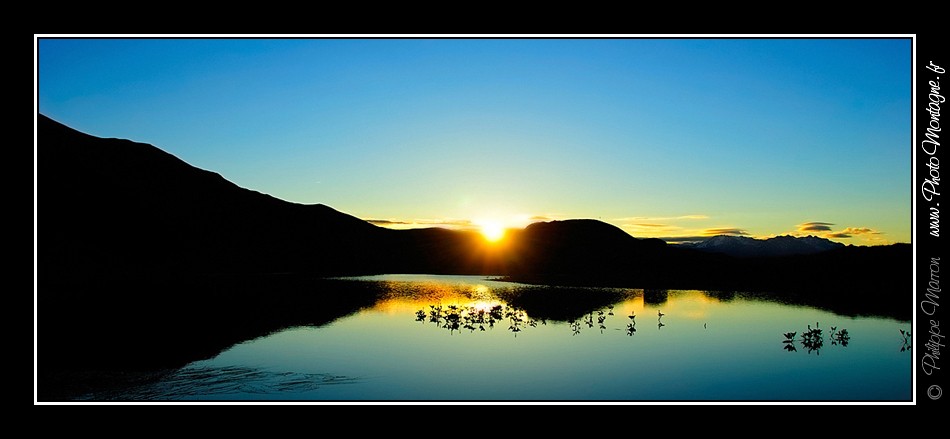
674	138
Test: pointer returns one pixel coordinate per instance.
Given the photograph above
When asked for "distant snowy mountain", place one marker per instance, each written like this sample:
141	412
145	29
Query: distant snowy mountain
741	246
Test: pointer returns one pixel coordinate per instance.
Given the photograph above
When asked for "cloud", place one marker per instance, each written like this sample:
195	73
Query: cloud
853	231
861	231
651	230
655	227
684	239
824	230
386	222
447	222
724	231
453	223
839	235
662	218
815	226
676	234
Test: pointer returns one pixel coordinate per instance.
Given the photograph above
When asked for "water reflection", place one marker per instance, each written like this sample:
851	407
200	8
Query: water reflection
481	318
215	383
907	340
504	341
454	317
485	313
631	328
813	340
840	337
655	296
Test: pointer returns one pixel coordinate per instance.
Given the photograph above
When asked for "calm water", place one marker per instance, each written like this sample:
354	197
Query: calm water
456	338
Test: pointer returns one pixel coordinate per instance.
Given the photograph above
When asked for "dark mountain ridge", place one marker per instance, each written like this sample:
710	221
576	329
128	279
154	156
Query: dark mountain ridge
112	208
116	206
145	261
742	246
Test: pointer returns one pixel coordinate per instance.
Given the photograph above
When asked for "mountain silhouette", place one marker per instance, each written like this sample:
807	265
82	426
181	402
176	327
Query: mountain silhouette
144	261
121	207
743	246
111	208
584	252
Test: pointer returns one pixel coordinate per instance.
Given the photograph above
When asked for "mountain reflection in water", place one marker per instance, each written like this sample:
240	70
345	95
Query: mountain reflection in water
450	338
218	383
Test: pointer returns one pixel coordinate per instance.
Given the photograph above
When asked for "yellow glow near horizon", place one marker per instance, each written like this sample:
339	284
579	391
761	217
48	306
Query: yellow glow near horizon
494	226
492	230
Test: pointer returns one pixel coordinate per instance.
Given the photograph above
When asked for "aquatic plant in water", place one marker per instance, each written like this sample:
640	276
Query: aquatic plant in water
813	340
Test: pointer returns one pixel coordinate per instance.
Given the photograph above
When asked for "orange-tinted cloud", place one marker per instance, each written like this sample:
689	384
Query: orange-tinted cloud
861	231
852	231
451	223
662	218
684	239
386	222
815	226
724	231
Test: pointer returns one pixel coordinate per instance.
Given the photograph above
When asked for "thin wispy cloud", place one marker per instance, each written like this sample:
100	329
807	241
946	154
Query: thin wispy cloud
450	223
683	239
384	223
861	231
662	227
850	232
724	231
661	218
517	221
674	229
825	230
815	226
651	230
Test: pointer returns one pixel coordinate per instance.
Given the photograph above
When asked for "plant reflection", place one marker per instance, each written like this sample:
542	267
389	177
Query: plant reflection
839	337
907	340
789	342
813	339
456	318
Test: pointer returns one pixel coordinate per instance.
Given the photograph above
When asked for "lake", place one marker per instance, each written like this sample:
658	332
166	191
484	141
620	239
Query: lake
469	338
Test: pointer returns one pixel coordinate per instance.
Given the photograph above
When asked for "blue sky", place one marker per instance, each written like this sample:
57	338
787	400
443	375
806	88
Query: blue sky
671	138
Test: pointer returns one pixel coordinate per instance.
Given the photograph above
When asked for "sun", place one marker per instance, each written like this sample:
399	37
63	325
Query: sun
493	231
